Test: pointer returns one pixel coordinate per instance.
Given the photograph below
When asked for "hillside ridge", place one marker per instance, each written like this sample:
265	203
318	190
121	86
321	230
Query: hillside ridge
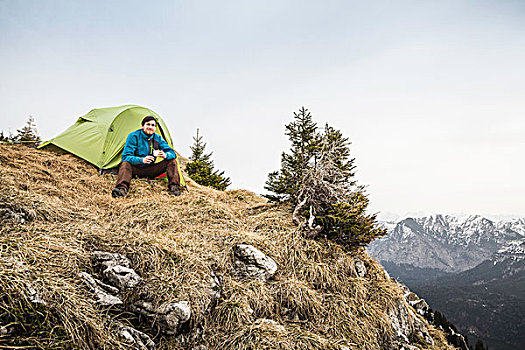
60	223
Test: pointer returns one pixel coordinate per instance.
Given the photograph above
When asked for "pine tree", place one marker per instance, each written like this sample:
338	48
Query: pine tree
348	223
302	133
317	177
200	169
342	160
28	133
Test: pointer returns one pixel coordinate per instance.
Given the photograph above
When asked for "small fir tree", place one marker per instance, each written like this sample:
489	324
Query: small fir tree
317	177
334	138
200	169
348	223
28	133
302	132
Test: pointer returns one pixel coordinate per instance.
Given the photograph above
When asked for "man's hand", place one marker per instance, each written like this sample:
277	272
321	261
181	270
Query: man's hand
148	159
162	154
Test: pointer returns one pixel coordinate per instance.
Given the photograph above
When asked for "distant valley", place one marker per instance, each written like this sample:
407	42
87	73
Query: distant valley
472	269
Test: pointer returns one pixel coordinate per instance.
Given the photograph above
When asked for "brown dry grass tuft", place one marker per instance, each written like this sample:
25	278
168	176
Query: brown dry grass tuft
175	244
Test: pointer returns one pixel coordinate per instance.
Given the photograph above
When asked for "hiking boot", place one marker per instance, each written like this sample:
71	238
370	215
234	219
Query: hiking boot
119	192
174	190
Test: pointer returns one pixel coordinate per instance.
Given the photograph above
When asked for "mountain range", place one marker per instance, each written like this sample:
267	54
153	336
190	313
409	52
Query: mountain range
445	242
472	269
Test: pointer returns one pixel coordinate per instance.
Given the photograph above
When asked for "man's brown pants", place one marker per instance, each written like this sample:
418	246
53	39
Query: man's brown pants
126	171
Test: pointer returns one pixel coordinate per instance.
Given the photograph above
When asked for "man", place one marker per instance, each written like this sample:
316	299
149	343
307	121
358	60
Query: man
142	148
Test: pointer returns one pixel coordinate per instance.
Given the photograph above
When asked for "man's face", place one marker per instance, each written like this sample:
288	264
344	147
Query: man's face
149	127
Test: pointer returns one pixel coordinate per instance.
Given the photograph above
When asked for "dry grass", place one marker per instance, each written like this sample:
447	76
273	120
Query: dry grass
174	243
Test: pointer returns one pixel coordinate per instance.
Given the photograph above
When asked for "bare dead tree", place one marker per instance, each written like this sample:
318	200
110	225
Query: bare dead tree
322	185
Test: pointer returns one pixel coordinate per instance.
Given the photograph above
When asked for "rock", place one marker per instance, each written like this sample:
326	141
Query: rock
411	296
171	316
122	277
266	321
116	268
200	347
134	338
215	288
421	330
107	259
400	321
32	295
406	325
144	308
249	262
421	307
360	268
271	323
103	292
5	331
405	289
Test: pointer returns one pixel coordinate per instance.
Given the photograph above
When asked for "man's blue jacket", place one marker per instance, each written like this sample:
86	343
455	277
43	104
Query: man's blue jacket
139	145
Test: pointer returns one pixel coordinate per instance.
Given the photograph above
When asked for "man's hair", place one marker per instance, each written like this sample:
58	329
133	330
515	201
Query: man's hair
147	119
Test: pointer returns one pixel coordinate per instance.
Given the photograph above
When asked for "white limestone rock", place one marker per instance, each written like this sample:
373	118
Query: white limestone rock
171	316
107	259
104	293
249	262
405	324
271	324
215	287
135	339
200	347
116	269
360	268
32	295
122	277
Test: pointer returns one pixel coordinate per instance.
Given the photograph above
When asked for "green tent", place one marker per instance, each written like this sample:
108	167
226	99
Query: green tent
99	136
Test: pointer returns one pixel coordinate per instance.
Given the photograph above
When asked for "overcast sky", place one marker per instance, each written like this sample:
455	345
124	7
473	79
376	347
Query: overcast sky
430	93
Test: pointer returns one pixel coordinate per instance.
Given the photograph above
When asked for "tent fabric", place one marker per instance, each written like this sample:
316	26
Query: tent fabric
99	136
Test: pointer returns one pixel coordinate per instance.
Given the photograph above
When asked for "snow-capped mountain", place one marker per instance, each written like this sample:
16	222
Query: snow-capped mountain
507	265
516	225
470	268
445	242
511	258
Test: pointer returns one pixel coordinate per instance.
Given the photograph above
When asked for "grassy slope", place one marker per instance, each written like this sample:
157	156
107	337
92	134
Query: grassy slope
174	243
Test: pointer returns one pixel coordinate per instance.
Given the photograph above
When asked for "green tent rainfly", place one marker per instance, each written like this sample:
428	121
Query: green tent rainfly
99	136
